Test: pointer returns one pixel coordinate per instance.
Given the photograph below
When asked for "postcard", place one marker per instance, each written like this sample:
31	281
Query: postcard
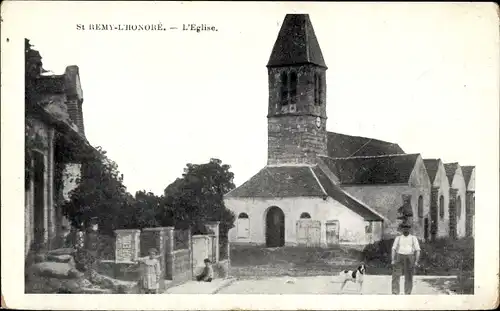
253	155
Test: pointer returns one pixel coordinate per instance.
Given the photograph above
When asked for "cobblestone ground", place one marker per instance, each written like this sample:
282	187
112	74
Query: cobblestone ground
373	285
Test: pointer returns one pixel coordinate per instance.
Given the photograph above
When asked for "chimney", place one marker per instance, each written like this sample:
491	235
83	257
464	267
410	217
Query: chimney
74	96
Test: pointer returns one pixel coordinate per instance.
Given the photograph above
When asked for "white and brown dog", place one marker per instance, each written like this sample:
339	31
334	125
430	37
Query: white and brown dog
356	276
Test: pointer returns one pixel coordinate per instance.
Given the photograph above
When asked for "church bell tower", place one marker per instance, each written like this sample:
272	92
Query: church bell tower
297	95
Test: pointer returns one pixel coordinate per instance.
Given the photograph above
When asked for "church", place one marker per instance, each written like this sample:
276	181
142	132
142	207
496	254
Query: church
322	188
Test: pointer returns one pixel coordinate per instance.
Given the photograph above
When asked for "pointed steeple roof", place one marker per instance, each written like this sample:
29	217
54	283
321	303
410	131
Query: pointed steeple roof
296	43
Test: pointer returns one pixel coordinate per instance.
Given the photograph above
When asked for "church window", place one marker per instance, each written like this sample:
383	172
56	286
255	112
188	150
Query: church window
441	207
459	207
243	226
320	88
305	216
420	207
369	227
316	88
284	88
293	87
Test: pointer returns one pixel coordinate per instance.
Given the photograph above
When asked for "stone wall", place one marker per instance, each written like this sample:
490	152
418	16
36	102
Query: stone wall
293	136
127	245
44	136
458	183
295	139
351	225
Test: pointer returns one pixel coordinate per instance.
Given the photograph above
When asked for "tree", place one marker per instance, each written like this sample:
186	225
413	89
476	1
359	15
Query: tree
147	210
101	194
405	212
197	197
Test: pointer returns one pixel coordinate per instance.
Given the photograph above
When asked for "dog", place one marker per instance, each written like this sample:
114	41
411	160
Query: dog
356	276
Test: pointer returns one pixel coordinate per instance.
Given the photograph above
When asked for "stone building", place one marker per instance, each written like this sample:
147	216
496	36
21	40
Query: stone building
325	188
383	182
456	207
296	199
54	138
440	198
469	173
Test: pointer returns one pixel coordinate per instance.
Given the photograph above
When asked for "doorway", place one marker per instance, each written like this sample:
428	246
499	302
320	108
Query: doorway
39	200
275	227
332	232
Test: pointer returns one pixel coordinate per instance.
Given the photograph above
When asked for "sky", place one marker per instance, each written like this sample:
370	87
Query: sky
424	76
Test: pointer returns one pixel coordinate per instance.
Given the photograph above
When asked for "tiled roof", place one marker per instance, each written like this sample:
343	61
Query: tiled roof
53	84
296	43
338	194
391	169
450	169
299	181
467	172
341	145
280	181
432	166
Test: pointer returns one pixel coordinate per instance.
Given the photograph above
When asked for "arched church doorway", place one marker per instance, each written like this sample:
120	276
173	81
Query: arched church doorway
275	227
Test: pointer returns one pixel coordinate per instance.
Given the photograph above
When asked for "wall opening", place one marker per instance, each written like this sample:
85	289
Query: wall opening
458	207
243	226
275	227
441	207
284	88
293	87
316	88
332	232
39	200
305	216
420	210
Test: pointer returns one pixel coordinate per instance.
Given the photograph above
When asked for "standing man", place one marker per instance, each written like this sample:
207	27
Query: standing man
405	256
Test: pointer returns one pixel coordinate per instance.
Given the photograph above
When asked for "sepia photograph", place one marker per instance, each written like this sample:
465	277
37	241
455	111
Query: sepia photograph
276	149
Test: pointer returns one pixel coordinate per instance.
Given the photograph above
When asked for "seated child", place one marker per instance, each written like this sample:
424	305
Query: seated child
207	274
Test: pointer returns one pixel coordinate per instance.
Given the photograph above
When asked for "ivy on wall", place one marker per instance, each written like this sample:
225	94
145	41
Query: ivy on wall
32	140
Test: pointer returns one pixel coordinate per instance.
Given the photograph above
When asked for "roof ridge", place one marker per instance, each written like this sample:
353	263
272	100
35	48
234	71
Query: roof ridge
317	180
362	203
374	157
290	165
308	50
364	137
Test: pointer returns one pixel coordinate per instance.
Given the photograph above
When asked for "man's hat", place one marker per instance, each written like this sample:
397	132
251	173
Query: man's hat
405	225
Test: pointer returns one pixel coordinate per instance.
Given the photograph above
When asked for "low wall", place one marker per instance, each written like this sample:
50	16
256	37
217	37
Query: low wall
182	266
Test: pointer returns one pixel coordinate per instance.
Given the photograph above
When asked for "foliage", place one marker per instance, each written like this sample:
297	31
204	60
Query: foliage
449	255
84	260
197	197
100	194
405	213
147	213
440	257
379	251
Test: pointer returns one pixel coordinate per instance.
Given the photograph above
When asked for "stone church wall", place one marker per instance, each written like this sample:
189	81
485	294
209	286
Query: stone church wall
387	199
351	226
294	140
459	184
45	148
441	182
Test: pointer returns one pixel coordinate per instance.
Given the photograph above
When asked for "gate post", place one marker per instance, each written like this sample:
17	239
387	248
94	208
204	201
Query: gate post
214	227
169	252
